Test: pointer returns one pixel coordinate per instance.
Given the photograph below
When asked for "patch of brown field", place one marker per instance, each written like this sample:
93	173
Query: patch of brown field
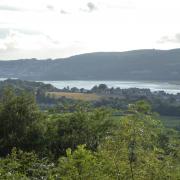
76	96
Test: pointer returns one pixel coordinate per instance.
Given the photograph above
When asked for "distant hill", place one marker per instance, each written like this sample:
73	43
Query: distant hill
159	65
30	86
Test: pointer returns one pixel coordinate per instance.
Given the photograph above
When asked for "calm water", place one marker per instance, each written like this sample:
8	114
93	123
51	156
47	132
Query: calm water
153	86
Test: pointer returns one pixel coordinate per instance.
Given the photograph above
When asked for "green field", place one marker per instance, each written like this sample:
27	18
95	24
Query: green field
168	121
75	96
171	121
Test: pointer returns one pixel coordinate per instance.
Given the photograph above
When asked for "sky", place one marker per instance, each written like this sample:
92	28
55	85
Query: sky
61	28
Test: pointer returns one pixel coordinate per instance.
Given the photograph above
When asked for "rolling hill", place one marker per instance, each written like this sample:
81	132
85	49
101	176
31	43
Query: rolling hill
157	65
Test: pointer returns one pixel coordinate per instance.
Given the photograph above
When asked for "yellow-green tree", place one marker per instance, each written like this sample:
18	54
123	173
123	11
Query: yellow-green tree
134	152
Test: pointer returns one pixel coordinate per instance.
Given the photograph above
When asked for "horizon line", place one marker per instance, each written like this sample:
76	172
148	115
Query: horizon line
79	54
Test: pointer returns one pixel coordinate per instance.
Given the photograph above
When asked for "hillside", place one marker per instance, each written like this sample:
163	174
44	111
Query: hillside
29	86
160	65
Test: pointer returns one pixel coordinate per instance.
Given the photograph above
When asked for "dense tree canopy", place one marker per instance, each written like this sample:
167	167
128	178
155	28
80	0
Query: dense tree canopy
19	122
85	144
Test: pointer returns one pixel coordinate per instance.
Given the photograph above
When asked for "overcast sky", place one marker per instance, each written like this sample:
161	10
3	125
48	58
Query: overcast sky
61	28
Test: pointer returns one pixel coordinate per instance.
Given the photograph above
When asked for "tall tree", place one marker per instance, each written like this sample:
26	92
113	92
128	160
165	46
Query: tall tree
19	118
134	151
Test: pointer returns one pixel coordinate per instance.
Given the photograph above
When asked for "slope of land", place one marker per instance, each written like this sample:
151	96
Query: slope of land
75	96
158	65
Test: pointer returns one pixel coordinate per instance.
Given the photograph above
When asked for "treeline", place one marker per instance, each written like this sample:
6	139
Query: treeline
86	144
161	102
117	98
30	86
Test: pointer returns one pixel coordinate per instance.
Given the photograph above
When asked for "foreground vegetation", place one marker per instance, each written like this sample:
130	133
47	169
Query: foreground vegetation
85	144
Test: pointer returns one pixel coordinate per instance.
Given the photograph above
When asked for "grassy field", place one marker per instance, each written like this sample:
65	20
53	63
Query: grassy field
170	121
76	96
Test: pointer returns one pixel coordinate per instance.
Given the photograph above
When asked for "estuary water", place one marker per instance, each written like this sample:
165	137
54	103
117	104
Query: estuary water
171	88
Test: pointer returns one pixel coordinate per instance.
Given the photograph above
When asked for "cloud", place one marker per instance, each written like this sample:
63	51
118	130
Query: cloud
10	8
50	7
170	39
3	32
63	11
88	7
91	6
9	42
14	39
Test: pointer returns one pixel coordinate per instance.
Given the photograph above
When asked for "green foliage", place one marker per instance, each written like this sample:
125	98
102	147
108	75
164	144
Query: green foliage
81	127
79	165
19	122
134	151
137	146
23	165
